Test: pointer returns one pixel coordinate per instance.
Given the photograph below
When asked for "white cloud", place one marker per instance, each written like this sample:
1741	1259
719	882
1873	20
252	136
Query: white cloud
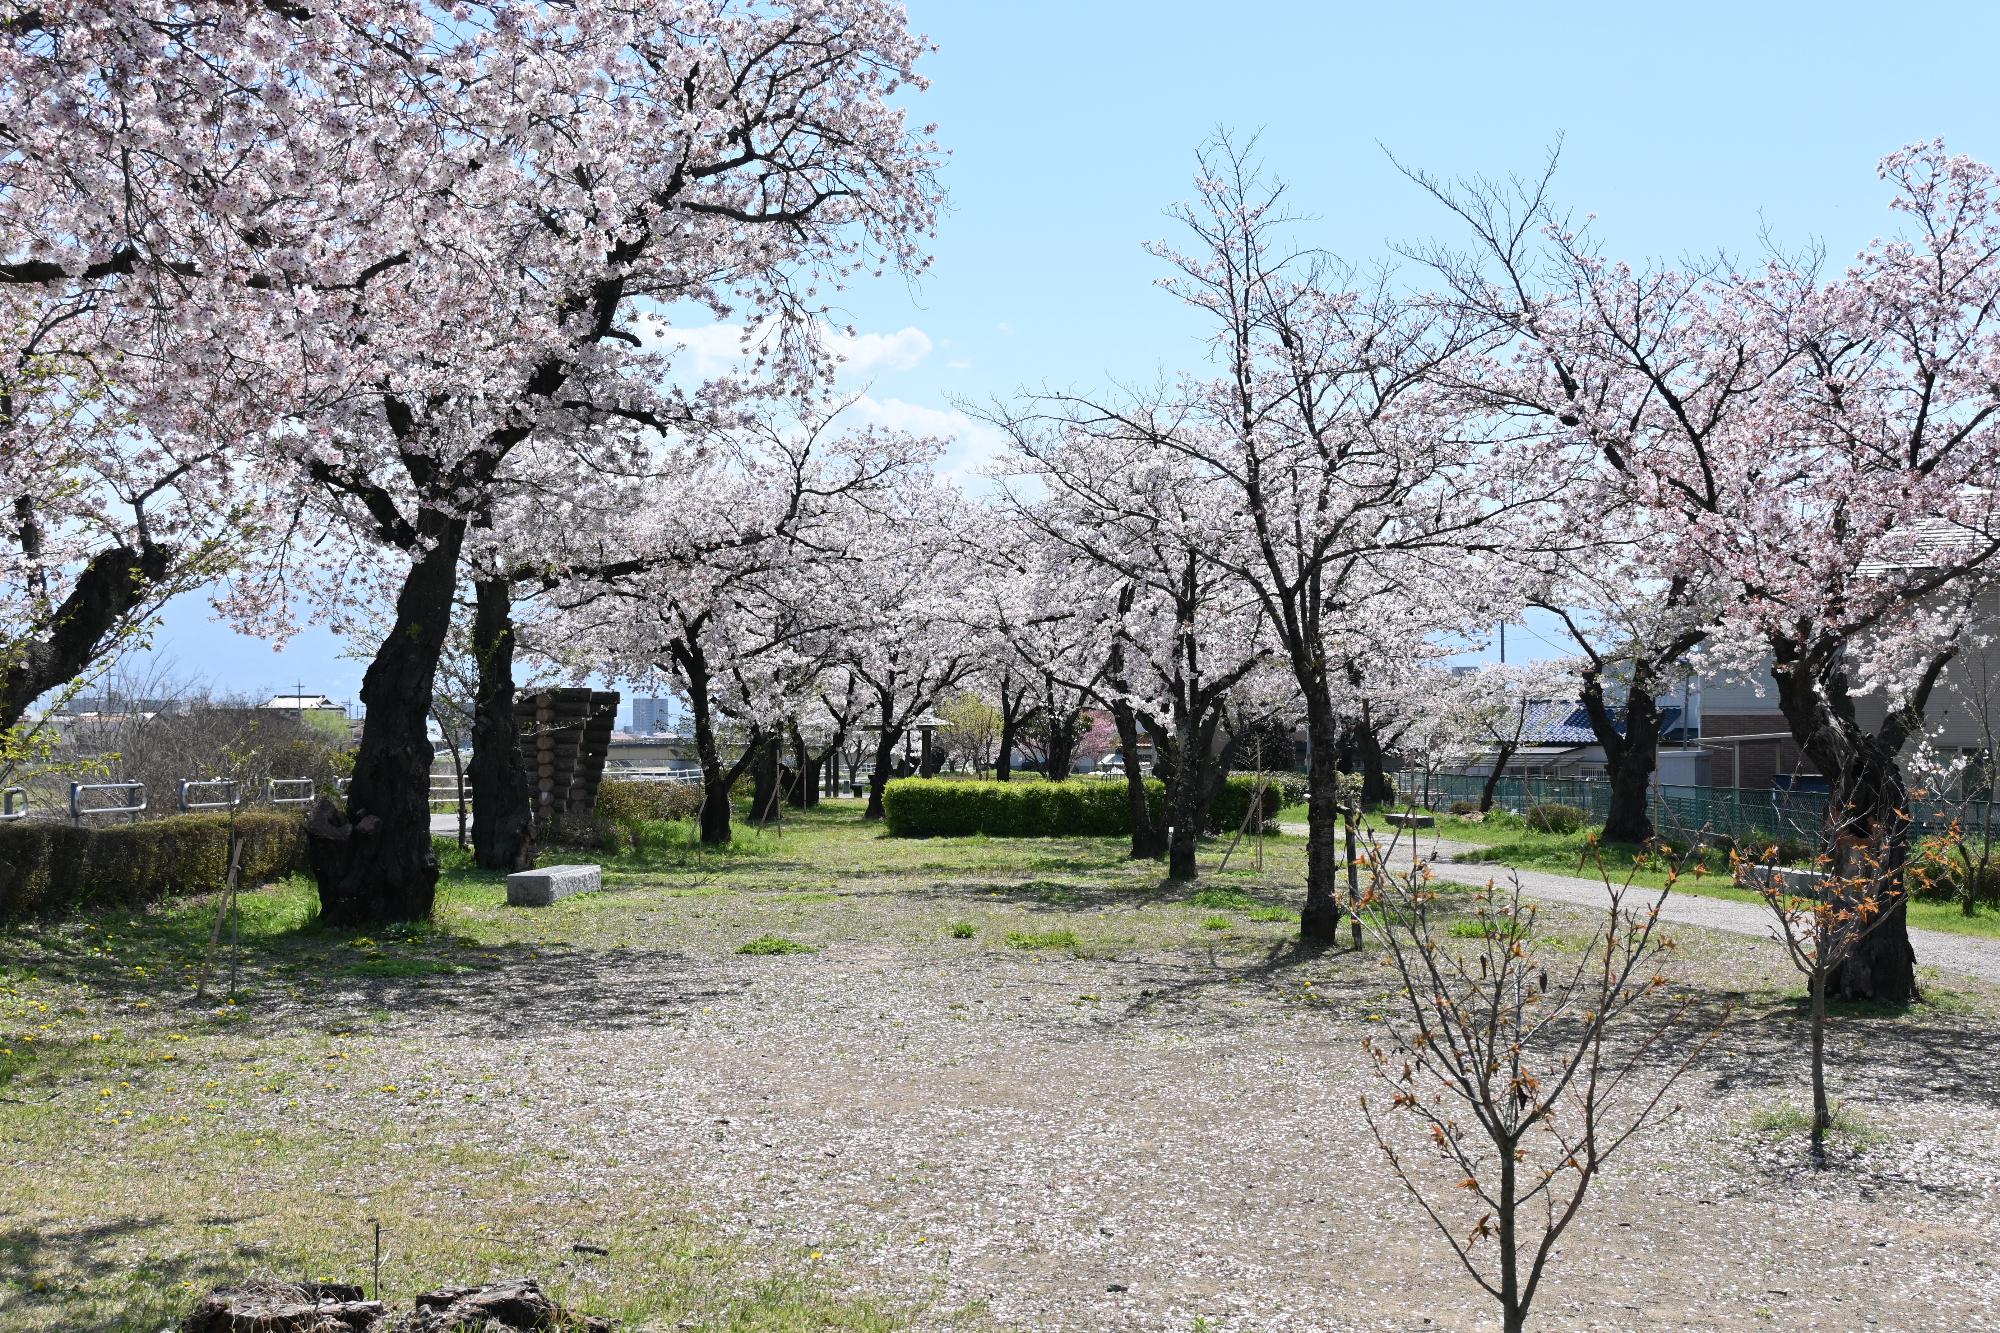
865	354
958	365
971	445
707	351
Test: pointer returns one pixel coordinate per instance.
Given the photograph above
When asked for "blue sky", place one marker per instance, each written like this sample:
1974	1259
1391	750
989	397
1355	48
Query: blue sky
1073	126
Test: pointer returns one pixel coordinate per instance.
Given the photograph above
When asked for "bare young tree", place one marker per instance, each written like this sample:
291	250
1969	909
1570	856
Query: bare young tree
1525	1068
1824	917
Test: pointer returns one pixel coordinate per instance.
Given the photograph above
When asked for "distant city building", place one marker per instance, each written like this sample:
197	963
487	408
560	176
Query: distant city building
651	717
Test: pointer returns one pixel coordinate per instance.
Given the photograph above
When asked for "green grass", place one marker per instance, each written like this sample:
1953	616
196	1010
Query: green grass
1216	923
1503	841
1043	939
1787	1120
1488	928
766	945
962	930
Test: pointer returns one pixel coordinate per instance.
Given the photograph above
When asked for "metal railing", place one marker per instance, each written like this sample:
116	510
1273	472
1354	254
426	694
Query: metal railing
287	791
77	809
189	795
231	798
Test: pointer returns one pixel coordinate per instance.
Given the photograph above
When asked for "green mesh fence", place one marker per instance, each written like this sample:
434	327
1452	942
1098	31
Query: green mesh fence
1743	812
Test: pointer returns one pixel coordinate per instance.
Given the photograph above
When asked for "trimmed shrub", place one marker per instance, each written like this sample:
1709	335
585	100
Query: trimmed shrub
1232	803
1463	808
627	814
1552	817
1291	786
619	801
48	867
1080	808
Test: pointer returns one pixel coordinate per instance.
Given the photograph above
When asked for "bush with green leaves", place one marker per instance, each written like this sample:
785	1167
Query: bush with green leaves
1291	787
620	799
940	807
46	867
1553	817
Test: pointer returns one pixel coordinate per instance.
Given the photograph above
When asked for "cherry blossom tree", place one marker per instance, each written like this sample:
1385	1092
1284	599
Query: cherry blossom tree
1820	450
1634	626
1495	703
104	521
1048	619
440	235
1139	518
905	640
1332	441
740	592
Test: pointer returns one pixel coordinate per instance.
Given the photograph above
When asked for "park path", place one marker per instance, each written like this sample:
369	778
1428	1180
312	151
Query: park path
1965	954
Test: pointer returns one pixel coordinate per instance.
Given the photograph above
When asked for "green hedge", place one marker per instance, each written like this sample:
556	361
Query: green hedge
619	800
48	867
1079	808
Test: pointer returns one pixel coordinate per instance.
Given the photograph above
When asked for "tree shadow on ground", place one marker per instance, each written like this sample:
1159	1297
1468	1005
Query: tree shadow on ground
1764	1045
46	1264
427	976
1188	991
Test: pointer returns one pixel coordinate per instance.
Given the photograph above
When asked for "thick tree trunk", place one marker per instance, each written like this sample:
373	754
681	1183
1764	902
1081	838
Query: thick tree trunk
885	757
1492	784
799	786
1149	839
767	780
716	778
1871	837
1062	745
1194	781
1319	920
107	593
384	869
1630	757
503	797
1003	762
1868	833
1375	786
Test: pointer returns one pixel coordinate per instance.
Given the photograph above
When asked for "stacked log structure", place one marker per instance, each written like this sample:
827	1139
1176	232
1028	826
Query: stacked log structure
565	736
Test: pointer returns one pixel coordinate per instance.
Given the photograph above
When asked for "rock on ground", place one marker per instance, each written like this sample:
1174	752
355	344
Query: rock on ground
517	1305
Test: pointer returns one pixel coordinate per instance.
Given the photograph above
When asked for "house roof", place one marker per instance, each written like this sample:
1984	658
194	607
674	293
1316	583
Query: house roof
302	701
1560	722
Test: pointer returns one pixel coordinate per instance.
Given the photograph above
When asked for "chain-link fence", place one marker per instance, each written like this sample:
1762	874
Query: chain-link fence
1742	812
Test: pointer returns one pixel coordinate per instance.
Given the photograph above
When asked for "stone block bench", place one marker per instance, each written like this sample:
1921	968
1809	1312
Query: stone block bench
1782	879
1411	821
542	886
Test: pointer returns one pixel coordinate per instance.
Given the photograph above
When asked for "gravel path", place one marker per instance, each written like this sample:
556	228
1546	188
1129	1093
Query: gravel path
1964	954
1141	1122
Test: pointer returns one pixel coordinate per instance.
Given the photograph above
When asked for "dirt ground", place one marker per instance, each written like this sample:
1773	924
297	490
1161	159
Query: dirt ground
1099	1103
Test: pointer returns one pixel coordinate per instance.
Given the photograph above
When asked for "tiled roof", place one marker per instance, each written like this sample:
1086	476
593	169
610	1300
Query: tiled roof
1560	722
